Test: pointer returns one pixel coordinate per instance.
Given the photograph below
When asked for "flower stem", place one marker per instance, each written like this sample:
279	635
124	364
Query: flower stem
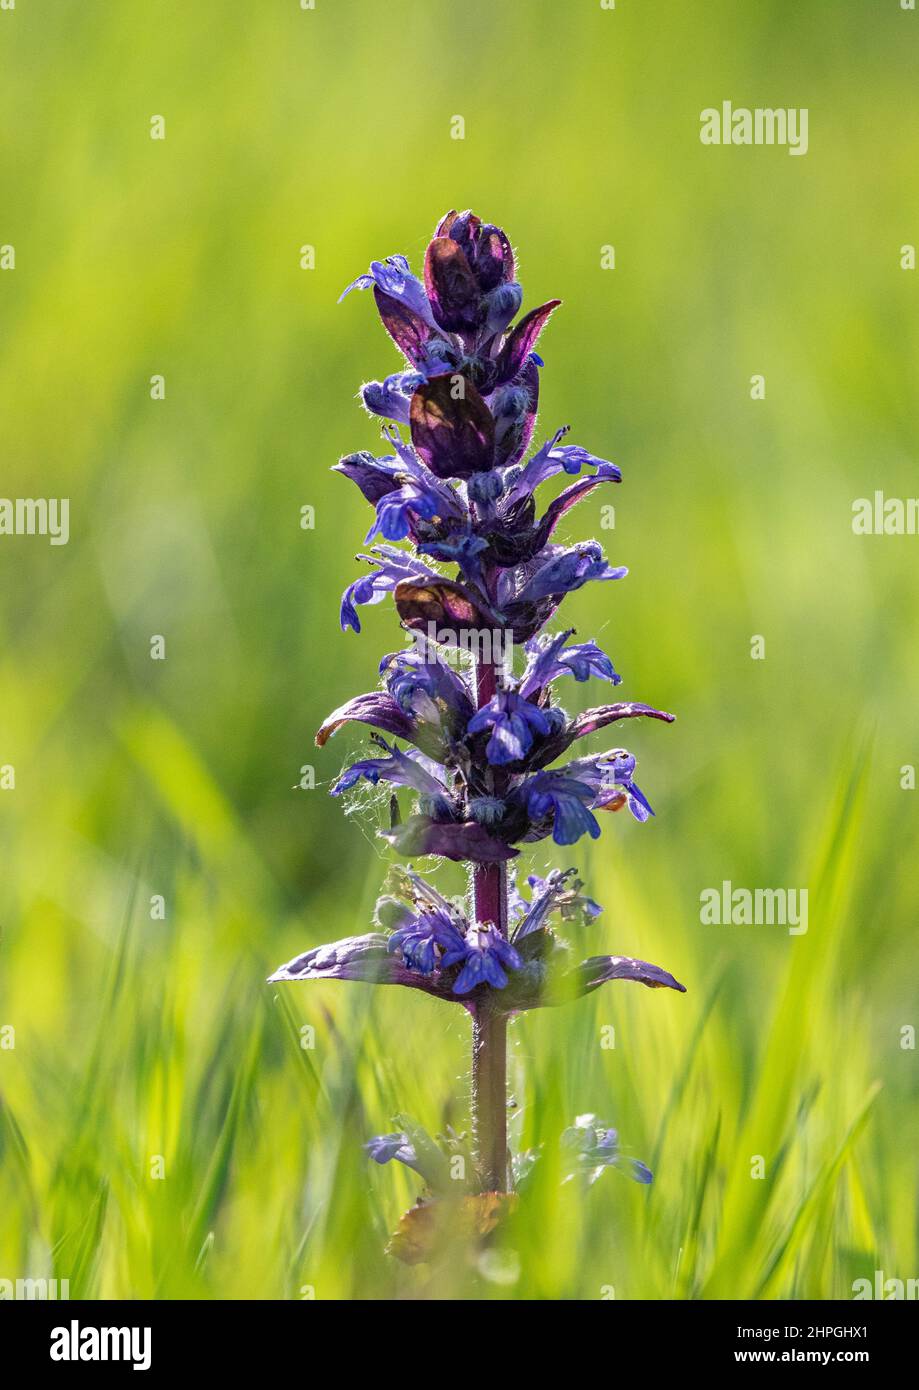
489	1098
489	1027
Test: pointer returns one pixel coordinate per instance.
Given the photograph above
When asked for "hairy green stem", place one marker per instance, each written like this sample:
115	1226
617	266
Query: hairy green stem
489	1028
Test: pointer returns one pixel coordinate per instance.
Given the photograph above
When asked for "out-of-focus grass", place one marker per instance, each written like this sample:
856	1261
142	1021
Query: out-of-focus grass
141	1042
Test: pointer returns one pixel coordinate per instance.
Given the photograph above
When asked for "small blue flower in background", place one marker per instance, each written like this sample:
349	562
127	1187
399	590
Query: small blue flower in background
386	1147
589	1147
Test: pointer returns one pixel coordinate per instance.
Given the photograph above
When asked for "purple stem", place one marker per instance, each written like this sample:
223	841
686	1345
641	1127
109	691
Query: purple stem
489	1029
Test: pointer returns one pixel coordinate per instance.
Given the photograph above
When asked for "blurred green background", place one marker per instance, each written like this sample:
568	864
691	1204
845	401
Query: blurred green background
136	1038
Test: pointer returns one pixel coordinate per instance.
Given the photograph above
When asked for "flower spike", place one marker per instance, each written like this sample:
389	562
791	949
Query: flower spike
471	742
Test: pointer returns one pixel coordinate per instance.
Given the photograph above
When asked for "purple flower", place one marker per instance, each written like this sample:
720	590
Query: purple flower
438	940
514	534
468	275
513	722
393	279
462	550
365	959
488	955
386	1147
374	476
404	494
405	769
610	777
501	305
485	247
562	801
549	657
426	943
616	778
391	568
397	510
392	396
415	1148
559	570
423	685
553	894
431	941
554	457
472	563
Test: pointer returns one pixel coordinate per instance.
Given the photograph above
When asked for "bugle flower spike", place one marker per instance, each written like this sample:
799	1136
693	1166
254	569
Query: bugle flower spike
474	567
